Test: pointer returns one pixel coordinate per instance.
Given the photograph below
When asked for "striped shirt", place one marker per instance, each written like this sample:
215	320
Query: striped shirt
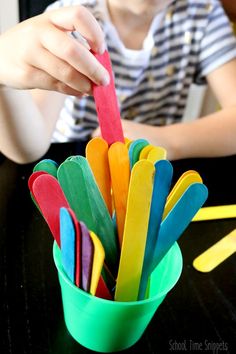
186	41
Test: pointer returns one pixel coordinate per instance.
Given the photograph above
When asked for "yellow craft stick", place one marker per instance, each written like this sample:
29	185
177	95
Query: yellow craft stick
135	231
157	153
186	173
145	151
97	155
127	142
119	165
98	259
216	212
179	188
216	254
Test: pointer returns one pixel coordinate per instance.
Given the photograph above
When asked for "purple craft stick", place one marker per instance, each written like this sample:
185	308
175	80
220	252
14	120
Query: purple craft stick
87	257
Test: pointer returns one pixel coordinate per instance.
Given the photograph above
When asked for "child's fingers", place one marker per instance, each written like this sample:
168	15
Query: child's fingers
78	18
96	133
44	46
61	72
74	53
42	80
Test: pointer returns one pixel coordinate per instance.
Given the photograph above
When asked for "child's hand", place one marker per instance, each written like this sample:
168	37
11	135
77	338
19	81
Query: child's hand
40	53
134	131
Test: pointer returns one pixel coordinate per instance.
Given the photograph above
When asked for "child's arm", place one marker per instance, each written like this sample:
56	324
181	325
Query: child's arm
25	128
39	53
214	135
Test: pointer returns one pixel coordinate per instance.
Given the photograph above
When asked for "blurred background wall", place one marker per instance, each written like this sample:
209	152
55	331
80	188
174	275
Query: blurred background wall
29	8
9	14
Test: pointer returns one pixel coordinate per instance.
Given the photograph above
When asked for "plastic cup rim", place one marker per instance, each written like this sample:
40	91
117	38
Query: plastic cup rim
116	303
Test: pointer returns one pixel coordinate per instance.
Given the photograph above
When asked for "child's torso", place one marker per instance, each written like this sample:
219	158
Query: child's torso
152	84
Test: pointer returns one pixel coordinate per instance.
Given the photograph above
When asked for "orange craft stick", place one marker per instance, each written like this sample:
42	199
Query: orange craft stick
97	155
118	157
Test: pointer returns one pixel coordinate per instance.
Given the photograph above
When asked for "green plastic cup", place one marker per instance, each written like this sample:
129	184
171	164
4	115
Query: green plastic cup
108	326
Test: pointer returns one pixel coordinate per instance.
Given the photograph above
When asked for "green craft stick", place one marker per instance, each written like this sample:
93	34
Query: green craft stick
47	165
134	150
79	185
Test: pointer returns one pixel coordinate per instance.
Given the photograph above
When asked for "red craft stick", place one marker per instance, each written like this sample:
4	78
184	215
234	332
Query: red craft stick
50	197
102	290
107	105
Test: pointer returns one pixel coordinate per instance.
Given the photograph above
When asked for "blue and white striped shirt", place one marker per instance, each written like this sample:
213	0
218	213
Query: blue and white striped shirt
186	41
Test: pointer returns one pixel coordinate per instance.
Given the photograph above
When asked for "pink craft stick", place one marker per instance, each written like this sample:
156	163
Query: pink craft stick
107	105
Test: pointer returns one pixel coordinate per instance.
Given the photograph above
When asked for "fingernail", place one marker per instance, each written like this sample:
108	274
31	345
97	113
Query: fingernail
105	79
102	49
84	95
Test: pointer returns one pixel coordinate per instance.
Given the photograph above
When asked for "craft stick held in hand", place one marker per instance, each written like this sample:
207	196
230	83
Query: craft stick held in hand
107	105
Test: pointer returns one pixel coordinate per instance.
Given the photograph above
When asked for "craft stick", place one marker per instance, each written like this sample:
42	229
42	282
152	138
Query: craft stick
98	259
134	150
50	198
87	253
185	180
31	180
120	174
157	153
102	290
135	231
127	142
67	237
107	105
145	151
179	217
47	165
161	187
78	247
97	155
216	212
79	185
33	177
216	254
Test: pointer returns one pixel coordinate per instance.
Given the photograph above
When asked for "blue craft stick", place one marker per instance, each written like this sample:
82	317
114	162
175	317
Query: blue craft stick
161	187
179	217
67	234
